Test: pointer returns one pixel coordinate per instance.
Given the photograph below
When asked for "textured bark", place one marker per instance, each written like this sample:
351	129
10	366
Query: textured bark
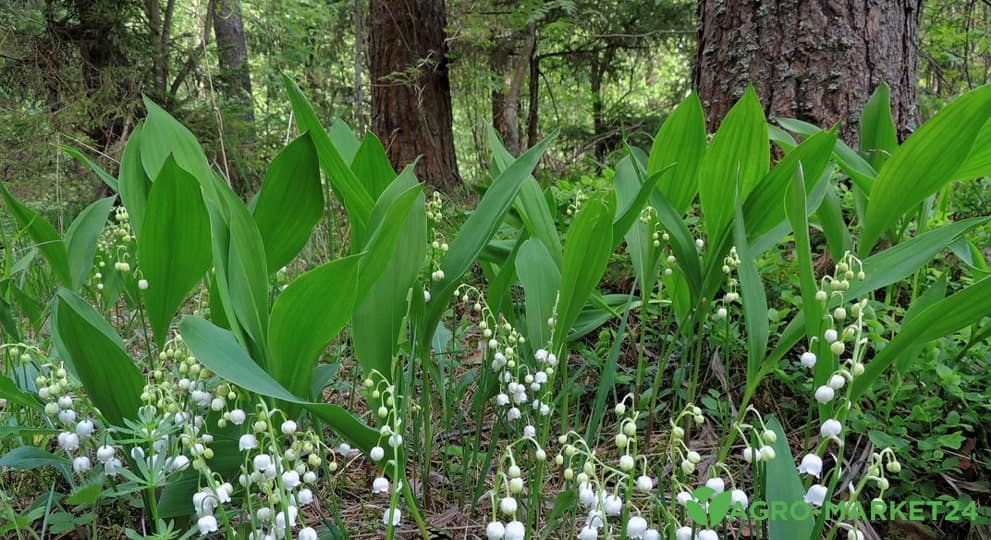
411	91
510	58
234	81
815	60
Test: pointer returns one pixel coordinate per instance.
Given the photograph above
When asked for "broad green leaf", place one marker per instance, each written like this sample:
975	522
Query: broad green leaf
541	281
598	311
639	239
478	230
290	202
217	349
82	236
344	140
830	217
629	214
41	233
942	318
347	186
162	136
680	142
878	136
174	249
895	263
133	181
753	297
385	228
16	396
978	162
25	458
531	204
796	209
242	275
740	154
586	253
98	357
378	315
372	167
856	167
77	154
926	162
935	293
763	209
783	486
306	317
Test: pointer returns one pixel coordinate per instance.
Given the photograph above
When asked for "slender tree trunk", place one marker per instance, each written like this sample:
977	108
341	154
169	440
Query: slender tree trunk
232	52
411	92
815	60
510	59
360	42
533	108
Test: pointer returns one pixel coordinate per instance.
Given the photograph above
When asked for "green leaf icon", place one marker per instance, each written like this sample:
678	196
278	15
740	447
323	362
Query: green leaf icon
696	512
719	507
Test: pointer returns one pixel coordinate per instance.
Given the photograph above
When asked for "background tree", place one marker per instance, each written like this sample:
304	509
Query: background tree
811	60
411	92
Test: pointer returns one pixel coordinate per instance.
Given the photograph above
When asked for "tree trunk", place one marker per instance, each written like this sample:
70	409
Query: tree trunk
411	92
510	59
533	112
815	60
232	52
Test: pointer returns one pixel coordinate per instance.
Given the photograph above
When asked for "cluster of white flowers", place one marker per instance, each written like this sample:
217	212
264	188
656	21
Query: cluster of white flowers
384	394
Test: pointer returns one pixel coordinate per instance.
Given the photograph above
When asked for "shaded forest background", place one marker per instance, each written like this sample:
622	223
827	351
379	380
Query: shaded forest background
73	72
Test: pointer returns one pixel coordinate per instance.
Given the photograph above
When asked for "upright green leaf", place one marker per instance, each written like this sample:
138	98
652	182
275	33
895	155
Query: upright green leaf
856	167
372	167
740	152
784	487
878	136
901	260
541	281
586	253
98	357
344	140
680	142
306	317
383	301
531	204
942	318
133	181
43	234
926	162
935	293
978	162
830	216
479	229
76	154
82	236
753	296
243	274
385	230
290	202
163	136
763	209
353	194
174	250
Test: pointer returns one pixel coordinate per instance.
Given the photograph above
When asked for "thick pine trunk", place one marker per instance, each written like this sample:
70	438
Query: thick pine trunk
411	92
815	60
234	81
